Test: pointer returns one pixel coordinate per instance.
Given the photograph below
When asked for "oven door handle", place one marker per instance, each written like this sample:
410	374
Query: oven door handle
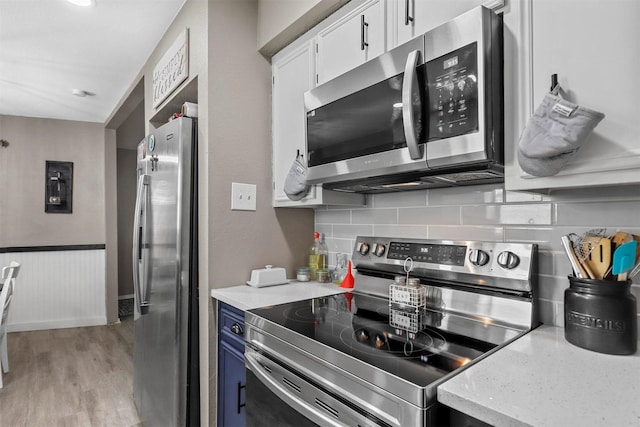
261	371
409	85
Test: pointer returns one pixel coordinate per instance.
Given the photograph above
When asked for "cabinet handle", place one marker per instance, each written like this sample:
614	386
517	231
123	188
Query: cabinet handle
363	28
237	329
238	404
407	16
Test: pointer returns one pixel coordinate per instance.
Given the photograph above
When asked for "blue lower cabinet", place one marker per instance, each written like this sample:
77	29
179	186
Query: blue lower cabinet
231	370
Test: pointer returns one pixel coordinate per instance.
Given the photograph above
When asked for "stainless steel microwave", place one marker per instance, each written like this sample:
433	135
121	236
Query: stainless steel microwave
425	114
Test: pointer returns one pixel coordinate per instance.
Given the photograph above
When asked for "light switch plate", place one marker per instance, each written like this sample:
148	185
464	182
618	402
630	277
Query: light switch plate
243	197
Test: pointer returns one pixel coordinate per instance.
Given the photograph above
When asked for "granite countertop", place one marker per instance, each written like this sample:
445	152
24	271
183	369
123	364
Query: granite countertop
245	297
542	380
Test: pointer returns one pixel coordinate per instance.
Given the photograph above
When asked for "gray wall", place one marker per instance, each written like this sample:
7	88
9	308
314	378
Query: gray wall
234	132
128	135
126	203
32	142
490	213
239	150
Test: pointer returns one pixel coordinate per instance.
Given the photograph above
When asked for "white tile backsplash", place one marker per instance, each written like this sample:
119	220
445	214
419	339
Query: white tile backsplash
601	214
405	231
531	214
466	196
352	231
488	212
400	200
375	216
461	232
342	216
440	215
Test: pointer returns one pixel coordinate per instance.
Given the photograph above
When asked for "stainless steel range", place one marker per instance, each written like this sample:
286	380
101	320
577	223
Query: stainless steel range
375	356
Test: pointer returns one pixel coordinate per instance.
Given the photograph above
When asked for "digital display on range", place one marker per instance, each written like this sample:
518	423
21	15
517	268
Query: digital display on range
435	254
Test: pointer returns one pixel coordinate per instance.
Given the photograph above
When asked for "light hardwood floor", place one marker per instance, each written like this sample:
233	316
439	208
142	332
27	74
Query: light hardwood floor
70	377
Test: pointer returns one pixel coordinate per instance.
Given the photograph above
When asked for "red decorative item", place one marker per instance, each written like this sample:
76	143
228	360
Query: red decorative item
347	282
349	297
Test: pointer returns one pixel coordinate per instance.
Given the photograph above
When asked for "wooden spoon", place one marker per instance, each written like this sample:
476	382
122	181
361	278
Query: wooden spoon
621	237
599	258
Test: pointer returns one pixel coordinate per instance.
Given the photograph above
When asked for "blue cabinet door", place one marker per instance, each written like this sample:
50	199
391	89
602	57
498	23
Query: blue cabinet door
231	369
231	387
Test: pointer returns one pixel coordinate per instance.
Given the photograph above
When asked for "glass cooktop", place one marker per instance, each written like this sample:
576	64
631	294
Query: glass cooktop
415	345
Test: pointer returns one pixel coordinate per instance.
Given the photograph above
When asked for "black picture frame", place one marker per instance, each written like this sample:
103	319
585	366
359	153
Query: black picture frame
58	187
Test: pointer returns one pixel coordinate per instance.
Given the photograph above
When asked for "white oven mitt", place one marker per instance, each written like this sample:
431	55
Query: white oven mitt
554	134
295	185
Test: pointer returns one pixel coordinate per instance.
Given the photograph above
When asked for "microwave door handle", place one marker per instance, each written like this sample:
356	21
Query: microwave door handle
409	83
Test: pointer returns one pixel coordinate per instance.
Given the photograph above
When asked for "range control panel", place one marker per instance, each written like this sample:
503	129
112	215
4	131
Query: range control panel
429	257
428	252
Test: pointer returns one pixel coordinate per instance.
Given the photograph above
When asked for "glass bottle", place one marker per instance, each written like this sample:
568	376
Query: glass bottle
317	256
340	271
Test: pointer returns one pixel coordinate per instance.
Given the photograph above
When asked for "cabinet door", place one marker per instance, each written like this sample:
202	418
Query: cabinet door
232	380
354	39
592	46
293	74
410	18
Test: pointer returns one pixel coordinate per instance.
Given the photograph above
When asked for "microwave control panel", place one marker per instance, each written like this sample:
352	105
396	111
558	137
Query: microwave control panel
452	87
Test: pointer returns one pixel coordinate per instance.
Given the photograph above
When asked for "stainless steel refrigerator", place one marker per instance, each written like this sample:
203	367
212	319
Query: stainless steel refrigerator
165	269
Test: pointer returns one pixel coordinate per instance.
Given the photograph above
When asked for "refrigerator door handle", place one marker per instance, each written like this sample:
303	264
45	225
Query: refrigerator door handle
139	233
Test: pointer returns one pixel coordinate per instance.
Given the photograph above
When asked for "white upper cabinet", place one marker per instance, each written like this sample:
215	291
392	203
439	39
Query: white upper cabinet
292	77
352	40
592	46
293	74
410	18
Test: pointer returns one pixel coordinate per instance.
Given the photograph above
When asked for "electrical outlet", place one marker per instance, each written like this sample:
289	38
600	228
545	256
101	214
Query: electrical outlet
243	197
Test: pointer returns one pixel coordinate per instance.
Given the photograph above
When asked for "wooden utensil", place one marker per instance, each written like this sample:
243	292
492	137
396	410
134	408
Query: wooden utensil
621	237
598	259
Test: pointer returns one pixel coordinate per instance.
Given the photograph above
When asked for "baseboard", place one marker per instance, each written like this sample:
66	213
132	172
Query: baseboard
56	324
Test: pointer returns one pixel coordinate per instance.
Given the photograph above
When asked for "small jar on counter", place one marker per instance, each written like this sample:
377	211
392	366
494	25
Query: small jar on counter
303	274
322	275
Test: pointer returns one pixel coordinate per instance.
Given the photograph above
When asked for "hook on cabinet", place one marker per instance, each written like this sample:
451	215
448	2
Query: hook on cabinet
554	82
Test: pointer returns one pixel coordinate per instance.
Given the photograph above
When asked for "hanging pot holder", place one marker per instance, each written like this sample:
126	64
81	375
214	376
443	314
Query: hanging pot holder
554	134
295	185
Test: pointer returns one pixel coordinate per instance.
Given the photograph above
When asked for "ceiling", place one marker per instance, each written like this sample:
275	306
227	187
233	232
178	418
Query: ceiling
50	47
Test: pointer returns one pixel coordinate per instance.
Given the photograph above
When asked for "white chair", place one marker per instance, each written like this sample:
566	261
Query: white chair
9	275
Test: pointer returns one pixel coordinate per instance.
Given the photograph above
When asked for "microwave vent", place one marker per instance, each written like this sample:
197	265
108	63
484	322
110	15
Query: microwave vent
461	177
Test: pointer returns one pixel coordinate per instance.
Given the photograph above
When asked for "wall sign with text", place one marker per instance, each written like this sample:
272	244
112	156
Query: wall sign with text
172	69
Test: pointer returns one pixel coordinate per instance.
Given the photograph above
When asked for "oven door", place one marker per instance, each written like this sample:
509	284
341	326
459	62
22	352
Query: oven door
279	395
368	121
265	409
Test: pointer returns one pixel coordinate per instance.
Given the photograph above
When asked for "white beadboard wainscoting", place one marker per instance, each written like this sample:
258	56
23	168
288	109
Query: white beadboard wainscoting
488	212
57	289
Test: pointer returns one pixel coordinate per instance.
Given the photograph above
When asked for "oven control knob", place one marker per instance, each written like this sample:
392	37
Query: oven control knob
380	341
362	335
508	260
363	248
378	249
478	257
